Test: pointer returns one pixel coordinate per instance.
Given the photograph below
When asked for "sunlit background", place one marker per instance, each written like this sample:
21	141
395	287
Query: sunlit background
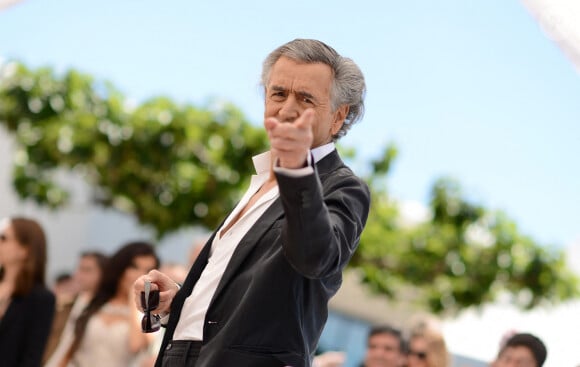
485	92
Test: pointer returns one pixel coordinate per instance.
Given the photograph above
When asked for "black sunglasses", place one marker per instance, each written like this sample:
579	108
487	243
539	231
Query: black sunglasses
420	355
150	301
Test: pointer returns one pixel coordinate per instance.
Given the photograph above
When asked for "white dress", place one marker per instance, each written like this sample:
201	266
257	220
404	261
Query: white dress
106	343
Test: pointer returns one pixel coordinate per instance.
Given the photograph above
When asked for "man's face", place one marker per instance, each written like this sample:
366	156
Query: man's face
383	350
518	356
294	87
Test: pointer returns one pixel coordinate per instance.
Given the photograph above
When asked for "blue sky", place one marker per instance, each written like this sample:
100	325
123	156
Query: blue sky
470	90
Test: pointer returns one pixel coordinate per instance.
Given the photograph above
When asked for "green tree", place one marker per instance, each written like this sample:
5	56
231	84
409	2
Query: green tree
168	165
178	165
464	255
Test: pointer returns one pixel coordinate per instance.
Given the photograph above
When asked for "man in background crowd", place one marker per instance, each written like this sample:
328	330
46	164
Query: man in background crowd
522	350
385	348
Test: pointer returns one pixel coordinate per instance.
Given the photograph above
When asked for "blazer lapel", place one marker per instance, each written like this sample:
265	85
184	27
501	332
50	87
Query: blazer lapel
187	287
326	165
248	242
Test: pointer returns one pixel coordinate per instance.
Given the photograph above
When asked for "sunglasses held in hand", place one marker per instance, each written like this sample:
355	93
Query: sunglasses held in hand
150	301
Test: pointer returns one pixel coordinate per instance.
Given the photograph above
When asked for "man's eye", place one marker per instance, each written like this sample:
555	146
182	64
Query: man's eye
307	100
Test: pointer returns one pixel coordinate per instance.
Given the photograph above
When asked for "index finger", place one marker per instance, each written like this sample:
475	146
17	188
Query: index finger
306	120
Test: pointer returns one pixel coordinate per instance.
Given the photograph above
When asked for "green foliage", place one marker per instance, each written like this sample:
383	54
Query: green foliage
168	165
464	255
172	166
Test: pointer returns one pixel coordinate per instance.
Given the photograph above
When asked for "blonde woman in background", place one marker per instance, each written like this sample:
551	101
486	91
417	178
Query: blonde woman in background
427	347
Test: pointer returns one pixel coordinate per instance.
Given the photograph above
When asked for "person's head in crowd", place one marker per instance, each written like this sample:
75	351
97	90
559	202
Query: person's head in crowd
522	350
427	348
124	267
121	270
64	286
22	254
89	270
385	347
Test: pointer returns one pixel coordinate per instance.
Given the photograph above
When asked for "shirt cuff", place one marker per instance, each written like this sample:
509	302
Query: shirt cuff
295	172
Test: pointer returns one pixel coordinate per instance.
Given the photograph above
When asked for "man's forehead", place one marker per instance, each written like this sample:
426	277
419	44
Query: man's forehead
518	351
517	348
288	69
384	337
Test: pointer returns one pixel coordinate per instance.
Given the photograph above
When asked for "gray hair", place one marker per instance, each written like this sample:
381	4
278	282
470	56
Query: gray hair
348	87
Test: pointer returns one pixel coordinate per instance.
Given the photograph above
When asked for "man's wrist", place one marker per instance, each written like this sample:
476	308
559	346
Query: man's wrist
164	315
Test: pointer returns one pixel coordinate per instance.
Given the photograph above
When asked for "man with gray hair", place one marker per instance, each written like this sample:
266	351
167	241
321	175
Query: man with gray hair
257	294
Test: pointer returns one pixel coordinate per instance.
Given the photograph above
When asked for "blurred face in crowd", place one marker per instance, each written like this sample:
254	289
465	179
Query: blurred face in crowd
517	356
65	287
11	251
141	266
418	353
384	350
88	274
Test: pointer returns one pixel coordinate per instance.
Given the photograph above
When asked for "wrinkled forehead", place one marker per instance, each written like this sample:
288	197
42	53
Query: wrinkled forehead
289	74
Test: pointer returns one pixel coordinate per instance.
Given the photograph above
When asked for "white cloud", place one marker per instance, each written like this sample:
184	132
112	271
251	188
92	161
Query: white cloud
573	254
412	213
559	20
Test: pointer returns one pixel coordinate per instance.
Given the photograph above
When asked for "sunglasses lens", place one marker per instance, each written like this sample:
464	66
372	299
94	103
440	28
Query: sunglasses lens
150	323
419	355
150	301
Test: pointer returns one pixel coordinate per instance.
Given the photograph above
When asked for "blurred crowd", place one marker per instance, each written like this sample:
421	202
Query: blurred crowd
85	318
88	317
424	346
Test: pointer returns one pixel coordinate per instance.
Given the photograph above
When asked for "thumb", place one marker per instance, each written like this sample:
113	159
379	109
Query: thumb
270	124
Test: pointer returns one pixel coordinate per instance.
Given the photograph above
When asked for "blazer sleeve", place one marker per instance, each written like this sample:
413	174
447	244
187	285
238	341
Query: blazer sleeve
323	223
39	320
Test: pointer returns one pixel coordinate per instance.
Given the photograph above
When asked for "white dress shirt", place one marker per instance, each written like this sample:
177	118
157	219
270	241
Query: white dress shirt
190	324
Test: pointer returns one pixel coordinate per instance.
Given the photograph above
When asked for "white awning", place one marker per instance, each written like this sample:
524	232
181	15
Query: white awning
6	3
560	20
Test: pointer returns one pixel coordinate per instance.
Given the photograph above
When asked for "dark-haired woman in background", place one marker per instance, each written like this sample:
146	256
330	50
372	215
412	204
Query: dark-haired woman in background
108	332
26	305
87	276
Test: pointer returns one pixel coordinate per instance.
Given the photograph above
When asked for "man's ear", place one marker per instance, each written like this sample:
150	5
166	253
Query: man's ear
339	117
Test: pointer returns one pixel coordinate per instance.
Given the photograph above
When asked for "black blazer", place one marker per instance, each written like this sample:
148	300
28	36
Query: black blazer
271	303
24	328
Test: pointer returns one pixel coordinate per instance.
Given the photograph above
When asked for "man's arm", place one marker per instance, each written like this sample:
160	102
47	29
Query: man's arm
322	228
321	231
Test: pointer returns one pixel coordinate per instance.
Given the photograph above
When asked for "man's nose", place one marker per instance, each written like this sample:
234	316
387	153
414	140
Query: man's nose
290	110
